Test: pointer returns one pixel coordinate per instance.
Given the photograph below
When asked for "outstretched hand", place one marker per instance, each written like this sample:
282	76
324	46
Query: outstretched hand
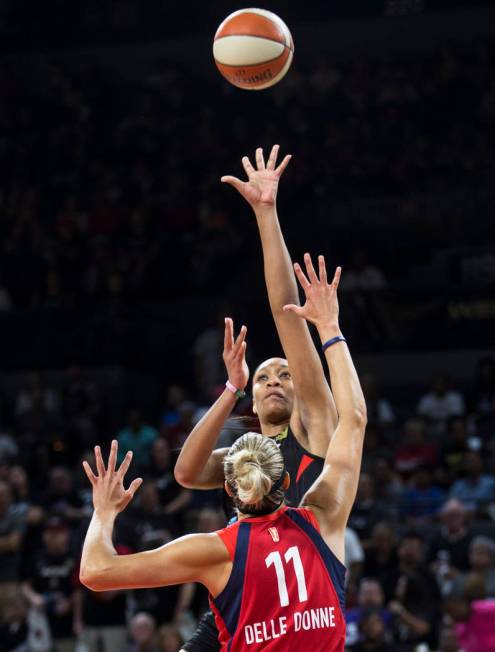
234	355
261	188
108	484
322	306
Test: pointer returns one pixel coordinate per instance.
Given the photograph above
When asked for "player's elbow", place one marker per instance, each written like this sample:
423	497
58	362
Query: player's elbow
183	477
93	577
357	418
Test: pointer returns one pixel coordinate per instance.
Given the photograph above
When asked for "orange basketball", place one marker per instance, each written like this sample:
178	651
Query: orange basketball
253	49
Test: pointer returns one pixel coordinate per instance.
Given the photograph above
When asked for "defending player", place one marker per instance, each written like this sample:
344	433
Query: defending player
291	397
276	580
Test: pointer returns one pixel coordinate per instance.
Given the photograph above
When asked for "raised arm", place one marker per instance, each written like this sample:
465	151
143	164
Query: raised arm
194	558
314	417
332	495
198	465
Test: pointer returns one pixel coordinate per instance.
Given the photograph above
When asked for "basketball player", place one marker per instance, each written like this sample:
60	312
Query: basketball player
291	397
276	576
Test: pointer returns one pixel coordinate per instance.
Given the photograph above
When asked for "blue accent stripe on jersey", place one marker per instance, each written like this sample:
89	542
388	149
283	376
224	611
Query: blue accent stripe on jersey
228	602
336	568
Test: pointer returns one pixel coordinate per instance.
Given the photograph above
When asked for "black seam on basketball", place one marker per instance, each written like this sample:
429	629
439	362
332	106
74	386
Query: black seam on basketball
256	36
253	65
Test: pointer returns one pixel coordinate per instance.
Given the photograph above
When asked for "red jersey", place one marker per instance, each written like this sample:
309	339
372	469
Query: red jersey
286	589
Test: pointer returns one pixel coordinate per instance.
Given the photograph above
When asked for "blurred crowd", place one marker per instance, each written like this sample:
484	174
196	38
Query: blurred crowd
109	185
420	547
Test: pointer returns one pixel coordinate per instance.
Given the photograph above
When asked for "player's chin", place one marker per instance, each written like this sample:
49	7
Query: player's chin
277	413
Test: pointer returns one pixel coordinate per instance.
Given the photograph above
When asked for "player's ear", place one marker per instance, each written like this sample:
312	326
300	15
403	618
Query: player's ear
286	482
228	489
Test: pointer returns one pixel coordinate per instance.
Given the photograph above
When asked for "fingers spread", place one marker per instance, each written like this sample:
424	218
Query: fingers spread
240	339
310	269
301	277
242	351
124	467
228	338
273	158
100	467
260	161
291	307
134	486
112	459
233	181
322	269
284	164
336	278
246	163
89	472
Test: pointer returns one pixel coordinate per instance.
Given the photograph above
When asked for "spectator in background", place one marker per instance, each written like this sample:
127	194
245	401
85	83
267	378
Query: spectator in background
373	633
22	498
169	638
62	498
440	404
50	580
34	393
138	438
482	562
477	490
208	348
448	641
381	555
415	612
370	596
143	634
367	510
12	526
175	395
388	483
450	543
379	408
173	498
422	500
80	405
14	628
416	451
454	448
473	616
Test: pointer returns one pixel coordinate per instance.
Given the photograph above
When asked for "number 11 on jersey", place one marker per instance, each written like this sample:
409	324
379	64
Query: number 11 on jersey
274	559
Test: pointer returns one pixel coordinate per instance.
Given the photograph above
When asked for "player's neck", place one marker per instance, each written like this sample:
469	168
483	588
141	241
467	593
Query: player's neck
272	429
242	516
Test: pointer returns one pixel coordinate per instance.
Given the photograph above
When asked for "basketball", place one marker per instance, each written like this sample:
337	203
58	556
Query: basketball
253	49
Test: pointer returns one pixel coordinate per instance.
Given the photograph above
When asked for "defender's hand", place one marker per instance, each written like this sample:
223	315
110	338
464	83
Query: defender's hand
322	306
109	494
261	188
234	355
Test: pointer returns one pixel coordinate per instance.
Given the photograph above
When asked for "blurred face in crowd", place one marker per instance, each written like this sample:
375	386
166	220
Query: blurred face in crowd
383	537
5	497
414	432
149	498
18	480
481	555
366	488
473	464
370	594
453	516
169	639
61	481
372	627
135	420
210	520
15	610
56	540
143	629
160	453
448	640
411	551
273	392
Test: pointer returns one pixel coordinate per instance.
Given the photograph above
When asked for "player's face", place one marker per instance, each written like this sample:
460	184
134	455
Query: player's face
273	392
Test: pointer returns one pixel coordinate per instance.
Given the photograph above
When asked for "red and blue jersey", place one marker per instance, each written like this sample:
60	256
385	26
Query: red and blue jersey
286	588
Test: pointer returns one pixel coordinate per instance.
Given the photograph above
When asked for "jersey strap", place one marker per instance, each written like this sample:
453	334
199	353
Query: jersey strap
336	570
228	602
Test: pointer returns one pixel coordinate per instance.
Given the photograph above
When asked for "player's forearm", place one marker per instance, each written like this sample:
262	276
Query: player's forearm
199	445
98	551
279	276
346	388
